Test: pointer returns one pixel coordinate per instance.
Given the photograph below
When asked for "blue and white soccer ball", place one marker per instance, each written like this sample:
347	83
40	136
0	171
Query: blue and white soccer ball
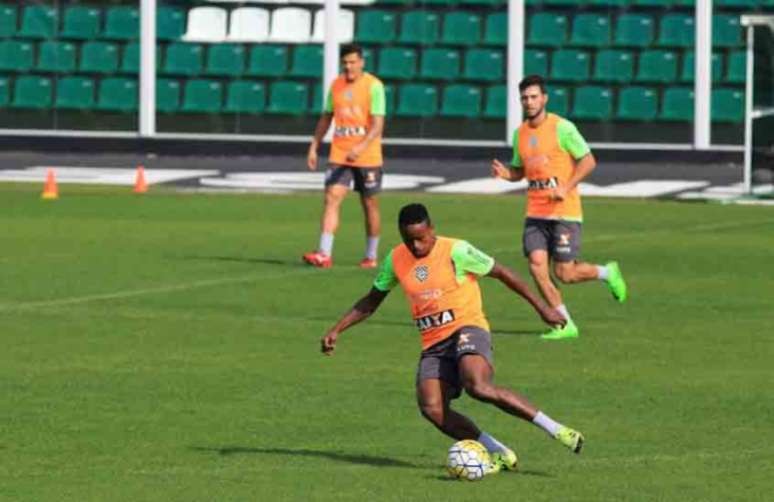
467	460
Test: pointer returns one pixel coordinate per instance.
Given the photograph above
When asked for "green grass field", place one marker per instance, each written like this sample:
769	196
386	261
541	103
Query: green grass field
165	347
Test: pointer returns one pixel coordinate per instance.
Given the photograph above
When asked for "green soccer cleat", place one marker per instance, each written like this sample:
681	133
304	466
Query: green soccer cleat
615	281
505	460
569	330
571	438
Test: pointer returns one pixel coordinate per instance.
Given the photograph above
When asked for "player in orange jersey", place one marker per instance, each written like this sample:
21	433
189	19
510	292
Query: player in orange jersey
439	277
554	158
356	105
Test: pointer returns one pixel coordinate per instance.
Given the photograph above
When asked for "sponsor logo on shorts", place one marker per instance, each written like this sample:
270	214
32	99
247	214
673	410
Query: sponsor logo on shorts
563	249
421	273
552	182
435	320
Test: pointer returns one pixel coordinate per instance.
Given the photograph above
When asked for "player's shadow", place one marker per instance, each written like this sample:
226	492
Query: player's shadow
515	332
351	458
520	472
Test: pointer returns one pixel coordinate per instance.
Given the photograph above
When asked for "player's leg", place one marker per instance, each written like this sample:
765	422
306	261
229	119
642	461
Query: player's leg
433	398
337	181
368	182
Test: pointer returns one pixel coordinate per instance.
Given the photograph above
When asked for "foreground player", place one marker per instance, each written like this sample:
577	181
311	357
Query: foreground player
550	152
439	276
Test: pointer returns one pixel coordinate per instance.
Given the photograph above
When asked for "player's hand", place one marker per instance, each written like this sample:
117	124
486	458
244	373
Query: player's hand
500	171
311	159
559	193
354	153
552	317
328	343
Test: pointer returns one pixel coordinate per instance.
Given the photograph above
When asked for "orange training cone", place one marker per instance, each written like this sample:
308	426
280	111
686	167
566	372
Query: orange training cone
50	191
140	186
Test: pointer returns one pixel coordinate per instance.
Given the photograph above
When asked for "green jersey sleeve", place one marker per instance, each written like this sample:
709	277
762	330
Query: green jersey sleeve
328	108
468	259
516	161
570	140
378	100
386	278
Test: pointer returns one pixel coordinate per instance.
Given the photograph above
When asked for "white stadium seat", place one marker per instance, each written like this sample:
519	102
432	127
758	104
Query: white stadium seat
249	24
290	25
206	24
345	28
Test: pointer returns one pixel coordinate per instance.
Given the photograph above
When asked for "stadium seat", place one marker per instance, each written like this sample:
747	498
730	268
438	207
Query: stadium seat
369	58
687	71
268	61
461	101
634	30
677	104
609	3
484	64
389	99
317	99
496	105
290	25
564	3
170	23
98	57
167	95
307	61
288	98
485	3
203	96
5	92
726	30
654	3
32	91
590	30
376	26
75	93
592	103
461	28
417	100
496	29
130	62
613	65
81	23
118	95
547	29
570	65
345	26
56	57
245	96
440	64
206	24
736	72
398	63
183	59
727	105
677	30
16	55
419	27
637	103
122	23
535	62
657	66
8	18
558	101
226	60
38	22
249	24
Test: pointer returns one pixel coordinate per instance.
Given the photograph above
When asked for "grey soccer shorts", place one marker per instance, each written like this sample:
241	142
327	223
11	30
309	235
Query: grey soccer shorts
562	239
367	180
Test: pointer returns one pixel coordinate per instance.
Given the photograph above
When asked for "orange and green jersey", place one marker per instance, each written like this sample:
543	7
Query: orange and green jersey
352	105
547	153
441	288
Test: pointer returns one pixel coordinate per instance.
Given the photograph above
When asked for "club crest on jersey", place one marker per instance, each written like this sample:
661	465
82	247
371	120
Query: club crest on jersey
435	320
348	94
533	141
421	273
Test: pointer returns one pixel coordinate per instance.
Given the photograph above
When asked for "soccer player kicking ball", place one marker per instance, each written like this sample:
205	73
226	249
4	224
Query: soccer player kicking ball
550	152
439	276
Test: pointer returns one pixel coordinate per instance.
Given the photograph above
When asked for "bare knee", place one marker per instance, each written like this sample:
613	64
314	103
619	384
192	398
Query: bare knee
333	198
565	272
434	412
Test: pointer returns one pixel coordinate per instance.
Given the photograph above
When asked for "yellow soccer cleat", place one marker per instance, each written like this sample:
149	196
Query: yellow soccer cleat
506	460
570	438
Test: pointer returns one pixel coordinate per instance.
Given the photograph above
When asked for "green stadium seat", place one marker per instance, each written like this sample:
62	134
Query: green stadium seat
122	23
612	65
653	3
547	29
496	29
637	103
565	3
592	103
307	61
397	63
657	66
203	96
38	22
419	27
5	92
591	30
741	4
610	3
81	23
389	99
726	30
167	95
461	101
461	28
16	55
31	91
677	30
484	64
288	98
677	104
99	57
170	23
535	62
75	93
687	71
369	56
417	100
440	64
317	99
244	96
558	101
727	105
736	72
634	30
397	3
130	62
183	59
268	61
570	65
118	95
376	27
57	57
496	102
227	60
8	18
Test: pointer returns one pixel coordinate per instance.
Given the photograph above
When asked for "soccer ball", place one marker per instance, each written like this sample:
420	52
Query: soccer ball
467	460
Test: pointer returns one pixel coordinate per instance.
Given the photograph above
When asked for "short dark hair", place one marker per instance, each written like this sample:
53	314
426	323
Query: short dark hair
346	49
412	214
531	80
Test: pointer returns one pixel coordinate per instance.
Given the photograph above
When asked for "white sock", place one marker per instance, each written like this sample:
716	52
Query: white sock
492	444
563	310
326	244
546	423
372	247
602	272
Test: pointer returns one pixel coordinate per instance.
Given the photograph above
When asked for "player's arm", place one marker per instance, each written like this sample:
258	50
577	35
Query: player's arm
516	170
516	284
362	310
323	124
571	141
